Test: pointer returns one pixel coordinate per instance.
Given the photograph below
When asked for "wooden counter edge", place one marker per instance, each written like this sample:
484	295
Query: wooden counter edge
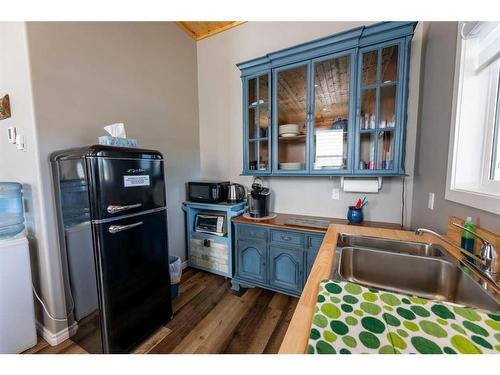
297	335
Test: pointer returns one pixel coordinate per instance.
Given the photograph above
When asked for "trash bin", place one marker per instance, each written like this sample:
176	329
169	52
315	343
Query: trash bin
175	275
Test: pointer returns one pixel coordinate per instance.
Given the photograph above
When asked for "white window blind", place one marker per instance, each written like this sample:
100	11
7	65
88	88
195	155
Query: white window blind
329	147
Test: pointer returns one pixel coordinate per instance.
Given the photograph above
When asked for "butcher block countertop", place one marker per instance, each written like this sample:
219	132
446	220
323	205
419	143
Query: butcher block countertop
281	222
297	335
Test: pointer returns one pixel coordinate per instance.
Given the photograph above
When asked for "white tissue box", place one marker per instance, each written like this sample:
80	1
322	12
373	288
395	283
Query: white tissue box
117	141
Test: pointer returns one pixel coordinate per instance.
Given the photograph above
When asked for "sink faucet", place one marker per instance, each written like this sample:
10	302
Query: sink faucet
485	263
487	251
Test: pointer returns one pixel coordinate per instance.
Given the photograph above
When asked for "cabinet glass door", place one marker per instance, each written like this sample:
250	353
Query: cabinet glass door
258	121
377	115
330	133
291	118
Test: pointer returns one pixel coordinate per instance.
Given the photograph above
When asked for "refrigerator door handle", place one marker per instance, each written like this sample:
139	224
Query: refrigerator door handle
120	228
112	209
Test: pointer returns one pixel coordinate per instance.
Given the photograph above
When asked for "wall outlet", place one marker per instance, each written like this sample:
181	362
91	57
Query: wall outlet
431	201
336	194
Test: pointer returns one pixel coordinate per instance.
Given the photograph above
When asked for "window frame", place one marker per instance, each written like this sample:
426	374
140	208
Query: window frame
495	148
486	196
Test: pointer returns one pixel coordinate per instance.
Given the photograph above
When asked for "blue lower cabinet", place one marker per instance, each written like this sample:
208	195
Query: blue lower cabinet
313	245
251	262
274	259
310	258
286	269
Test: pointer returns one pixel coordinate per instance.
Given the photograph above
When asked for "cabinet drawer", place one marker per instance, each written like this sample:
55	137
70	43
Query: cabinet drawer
209	254
252	232
290	238
314	242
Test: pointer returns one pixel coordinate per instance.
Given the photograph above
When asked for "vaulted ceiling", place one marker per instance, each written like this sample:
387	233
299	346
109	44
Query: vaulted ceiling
201	30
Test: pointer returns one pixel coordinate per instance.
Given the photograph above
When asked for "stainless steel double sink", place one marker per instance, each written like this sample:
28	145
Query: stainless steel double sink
414	268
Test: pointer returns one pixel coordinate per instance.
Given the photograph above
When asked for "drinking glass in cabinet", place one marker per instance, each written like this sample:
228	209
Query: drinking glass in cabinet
368	100
389	65
263	122
387	107
263	162
385	157
370	62
367	151
291	115
252	155
331	113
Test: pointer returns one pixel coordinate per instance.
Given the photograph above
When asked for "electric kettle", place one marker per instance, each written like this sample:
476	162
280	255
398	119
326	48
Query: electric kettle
235	193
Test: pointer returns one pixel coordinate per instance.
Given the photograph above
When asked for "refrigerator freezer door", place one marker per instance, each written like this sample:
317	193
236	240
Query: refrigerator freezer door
125	186
134	279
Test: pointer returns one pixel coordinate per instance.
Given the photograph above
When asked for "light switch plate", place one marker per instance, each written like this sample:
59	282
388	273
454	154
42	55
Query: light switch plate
431	201
21	142
335	194
12	132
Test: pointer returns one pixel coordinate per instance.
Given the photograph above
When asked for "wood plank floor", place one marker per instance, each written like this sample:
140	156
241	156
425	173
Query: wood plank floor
211	318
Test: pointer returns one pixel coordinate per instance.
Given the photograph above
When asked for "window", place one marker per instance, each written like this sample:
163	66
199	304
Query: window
495	159
474	154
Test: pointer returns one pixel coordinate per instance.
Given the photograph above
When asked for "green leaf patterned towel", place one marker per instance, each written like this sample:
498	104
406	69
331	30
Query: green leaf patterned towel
350	318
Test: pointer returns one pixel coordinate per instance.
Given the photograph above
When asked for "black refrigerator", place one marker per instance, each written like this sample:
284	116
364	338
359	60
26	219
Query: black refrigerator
112	217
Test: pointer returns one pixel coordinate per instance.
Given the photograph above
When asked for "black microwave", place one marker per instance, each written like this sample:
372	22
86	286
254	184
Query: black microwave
207	192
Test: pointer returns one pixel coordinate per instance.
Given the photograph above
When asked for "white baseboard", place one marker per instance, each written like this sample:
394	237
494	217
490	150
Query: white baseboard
184	264
56	338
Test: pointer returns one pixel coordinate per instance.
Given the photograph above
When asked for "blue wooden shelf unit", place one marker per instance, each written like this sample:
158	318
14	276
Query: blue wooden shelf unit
206	251
347	96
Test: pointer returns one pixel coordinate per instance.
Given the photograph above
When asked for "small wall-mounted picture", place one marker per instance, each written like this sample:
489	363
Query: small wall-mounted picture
4	107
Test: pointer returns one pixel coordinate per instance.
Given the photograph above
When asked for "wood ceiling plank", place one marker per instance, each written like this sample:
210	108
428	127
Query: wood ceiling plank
201	30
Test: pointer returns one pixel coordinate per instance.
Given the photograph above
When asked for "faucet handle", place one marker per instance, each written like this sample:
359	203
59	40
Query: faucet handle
489	254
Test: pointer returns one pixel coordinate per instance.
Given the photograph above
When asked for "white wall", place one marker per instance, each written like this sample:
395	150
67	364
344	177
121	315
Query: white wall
219	87
24	166
434	134
88	75
85	76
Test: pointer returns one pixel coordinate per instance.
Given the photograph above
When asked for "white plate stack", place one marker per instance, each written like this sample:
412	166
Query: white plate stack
288	130
291	166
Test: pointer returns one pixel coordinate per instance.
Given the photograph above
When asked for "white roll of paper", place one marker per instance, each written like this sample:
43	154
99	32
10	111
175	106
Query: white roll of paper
361	185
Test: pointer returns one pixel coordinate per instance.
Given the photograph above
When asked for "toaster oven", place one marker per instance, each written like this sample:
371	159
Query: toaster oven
212	222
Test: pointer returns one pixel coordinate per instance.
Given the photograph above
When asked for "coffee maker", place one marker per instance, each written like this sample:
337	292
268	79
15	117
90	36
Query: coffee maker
258	201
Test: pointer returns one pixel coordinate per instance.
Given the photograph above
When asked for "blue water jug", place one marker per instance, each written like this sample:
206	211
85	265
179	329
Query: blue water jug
74	202
11	209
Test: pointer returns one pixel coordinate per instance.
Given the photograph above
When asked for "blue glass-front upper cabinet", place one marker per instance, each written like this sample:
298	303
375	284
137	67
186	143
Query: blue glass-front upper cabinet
257	124
291	118
381	108
333	114
333	106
